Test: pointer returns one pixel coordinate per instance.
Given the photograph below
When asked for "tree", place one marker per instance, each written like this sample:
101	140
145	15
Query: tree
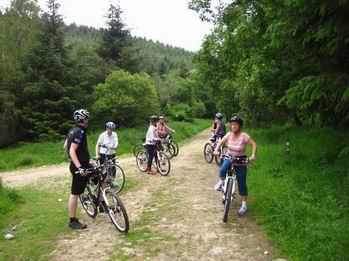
117	44
50	100
125	98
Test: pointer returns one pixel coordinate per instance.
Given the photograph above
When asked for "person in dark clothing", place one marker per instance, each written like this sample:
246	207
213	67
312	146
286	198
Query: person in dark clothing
77	150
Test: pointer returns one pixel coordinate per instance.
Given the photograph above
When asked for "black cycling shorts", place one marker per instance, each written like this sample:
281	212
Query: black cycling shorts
78	182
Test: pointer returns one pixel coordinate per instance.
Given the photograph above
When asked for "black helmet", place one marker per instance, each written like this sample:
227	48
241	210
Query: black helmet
219	115
236	118
153	118
80	115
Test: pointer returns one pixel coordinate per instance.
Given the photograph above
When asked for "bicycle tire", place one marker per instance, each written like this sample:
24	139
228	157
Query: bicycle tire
162	161
87	200
208	153
228	199
175	145
118	181
169	150
218	159
138	147
141	160
116	211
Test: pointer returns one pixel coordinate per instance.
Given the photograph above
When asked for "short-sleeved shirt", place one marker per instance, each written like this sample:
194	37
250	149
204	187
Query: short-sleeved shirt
78	136
238	147
152	135
221	128
111	141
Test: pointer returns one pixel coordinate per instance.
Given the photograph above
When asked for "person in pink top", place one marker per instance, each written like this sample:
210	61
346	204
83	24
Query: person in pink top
236	142
162	128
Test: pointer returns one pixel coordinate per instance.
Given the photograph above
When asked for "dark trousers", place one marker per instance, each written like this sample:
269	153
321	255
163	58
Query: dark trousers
150	152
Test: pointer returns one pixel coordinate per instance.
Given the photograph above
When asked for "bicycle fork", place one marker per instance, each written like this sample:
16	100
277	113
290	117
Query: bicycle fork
229	180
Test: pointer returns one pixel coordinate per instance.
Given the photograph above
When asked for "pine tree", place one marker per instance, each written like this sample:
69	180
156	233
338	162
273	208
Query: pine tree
117	45
49	98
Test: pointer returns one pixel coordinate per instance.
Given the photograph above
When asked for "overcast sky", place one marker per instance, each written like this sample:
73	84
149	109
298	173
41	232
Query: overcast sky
168	21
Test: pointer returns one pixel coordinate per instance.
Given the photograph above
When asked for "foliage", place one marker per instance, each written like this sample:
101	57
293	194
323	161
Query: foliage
302	201
8	119
125	98
117	45
49	100
277	61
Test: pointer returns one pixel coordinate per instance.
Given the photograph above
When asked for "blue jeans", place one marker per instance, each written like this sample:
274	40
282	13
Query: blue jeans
241	172
150	152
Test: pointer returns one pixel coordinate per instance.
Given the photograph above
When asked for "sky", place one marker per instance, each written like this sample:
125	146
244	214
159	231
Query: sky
166	21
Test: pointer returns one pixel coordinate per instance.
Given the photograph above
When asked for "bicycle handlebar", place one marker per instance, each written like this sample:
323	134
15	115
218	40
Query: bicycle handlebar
238	160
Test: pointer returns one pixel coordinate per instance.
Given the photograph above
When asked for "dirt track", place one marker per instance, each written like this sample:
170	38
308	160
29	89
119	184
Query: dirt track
179	216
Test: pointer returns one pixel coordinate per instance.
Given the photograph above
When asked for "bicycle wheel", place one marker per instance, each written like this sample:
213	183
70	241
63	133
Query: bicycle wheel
170	150
175	145
218	159
137	148
88	200
228	199
116	177
163	164
141	160
208	152
116	211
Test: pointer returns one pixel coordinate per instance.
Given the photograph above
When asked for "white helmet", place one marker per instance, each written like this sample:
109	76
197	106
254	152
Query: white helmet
81	114
110	125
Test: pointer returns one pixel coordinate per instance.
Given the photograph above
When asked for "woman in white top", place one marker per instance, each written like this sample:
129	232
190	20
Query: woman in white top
150	140
107	143
236	141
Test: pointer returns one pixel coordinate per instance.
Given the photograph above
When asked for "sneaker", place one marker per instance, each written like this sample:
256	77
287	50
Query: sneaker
242	210
77	225
218	186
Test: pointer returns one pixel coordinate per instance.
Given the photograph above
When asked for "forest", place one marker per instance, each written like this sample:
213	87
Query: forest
269	61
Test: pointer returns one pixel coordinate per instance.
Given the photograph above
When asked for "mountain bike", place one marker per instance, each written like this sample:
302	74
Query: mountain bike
209	149
96	187
138	147
161	162
229	187
170	145
115	174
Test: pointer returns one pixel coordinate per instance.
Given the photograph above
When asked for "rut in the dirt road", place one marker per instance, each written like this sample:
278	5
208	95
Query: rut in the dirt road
173	217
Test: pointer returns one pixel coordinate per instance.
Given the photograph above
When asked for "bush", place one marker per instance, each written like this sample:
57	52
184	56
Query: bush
125	98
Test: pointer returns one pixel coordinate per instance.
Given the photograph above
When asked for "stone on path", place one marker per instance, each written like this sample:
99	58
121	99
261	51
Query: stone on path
9	236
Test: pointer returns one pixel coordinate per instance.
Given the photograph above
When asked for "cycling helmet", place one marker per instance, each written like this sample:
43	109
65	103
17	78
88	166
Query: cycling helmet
110	125
219	115
161	117
154	118
236	118
81	114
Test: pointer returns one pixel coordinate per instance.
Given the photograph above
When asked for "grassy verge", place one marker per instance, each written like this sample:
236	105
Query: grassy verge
41	219
303	201
25	155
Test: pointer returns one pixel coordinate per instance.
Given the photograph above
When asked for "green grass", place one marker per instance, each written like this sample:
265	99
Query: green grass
24	155
303	201
42	220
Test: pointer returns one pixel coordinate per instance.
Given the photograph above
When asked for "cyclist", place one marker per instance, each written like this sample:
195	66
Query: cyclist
218	129
236	142
162	128
76	146
107	143
152	137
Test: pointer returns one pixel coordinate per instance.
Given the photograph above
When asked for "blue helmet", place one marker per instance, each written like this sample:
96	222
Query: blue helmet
110	125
